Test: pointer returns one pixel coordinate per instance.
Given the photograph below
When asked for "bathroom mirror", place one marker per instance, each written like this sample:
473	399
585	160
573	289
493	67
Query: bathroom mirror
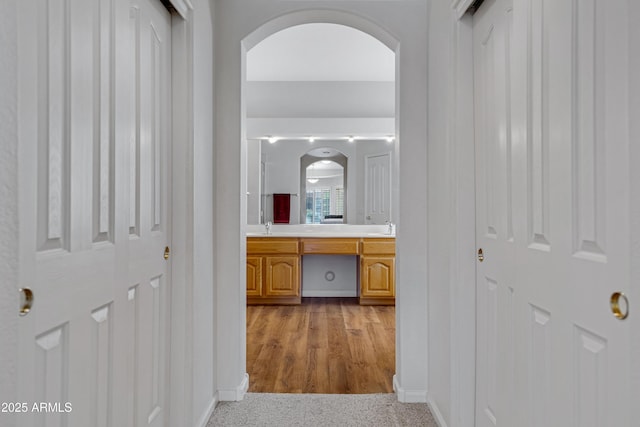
365	168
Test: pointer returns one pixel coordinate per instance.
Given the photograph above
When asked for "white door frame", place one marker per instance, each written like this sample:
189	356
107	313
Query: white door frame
182	268
9	302
463	269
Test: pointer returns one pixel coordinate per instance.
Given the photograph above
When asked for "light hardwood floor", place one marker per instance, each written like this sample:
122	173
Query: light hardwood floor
325	345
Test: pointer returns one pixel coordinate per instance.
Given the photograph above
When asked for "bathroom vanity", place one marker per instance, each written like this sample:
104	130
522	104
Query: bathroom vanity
274	262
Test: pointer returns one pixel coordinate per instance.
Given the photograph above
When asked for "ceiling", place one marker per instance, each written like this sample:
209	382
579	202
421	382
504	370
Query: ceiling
320	52
322	80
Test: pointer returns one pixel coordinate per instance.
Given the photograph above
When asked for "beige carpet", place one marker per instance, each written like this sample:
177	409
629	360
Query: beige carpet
336	410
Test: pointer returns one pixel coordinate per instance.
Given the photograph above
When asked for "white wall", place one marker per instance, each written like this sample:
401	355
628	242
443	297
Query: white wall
204	312
230	209
8	209
440	193
329	127
451	216
254	160
238	21
320	99
314	276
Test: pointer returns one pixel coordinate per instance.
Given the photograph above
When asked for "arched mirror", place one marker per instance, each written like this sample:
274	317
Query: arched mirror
323	187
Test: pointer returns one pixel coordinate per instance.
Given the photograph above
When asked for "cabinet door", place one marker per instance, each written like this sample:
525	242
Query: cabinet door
377	275
282	276
254	276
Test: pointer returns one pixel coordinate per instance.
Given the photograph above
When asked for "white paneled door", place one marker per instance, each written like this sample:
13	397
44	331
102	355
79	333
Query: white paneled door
553	213
377	188
94	120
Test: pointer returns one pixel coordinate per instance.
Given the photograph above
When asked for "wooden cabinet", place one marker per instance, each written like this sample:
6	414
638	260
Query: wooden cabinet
377	272
274	266
282	276
330	246
273	271
254	276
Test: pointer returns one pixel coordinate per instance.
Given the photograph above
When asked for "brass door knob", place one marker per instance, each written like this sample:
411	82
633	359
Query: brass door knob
480	255
167	252
26	301
619	305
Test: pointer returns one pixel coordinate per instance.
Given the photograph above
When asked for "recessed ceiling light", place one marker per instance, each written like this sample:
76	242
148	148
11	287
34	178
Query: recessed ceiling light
311	139
326	162
312	180
350	138
272	139
390	138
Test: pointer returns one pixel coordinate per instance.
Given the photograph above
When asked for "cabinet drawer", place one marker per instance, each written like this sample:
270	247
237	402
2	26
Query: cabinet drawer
330	246
378	246
272	245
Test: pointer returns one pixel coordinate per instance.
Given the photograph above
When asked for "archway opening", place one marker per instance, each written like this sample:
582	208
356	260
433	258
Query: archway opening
308	87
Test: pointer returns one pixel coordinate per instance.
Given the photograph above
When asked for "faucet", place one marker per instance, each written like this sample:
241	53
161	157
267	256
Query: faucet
390	225
268	227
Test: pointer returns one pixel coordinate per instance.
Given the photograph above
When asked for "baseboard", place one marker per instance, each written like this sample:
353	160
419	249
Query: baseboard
435	411
409	396
330	293
204	418
237	394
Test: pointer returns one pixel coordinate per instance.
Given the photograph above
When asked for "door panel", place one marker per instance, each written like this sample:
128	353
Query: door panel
494	204
149	212
282	275
93	312
378	276
254	276
553	219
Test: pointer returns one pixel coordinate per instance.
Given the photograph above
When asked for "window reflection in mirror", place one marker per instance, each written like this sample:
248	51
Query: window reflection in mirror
324	201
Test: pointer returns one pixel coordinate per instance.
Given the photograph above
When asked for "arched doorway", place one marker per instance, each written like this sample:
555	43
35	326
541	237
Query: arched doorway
327	91
392	26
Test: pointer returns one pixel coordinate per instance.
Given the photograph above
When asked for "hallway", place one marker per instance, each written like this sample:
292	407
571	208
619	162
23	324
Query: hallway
123	172
325	345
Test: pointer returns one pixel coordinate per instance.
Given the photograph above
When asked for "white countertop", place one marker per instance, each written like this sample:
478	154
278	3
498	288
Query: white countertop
320	230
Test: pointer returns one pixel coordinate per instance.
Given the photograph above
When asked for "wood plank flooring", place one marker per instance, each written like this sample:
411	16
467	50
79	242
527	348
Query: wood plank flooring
325	345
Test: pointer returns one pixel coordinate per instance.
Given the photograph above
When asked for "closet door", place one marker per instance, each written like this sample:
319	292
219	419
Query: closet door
149	217
92	349
553	213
